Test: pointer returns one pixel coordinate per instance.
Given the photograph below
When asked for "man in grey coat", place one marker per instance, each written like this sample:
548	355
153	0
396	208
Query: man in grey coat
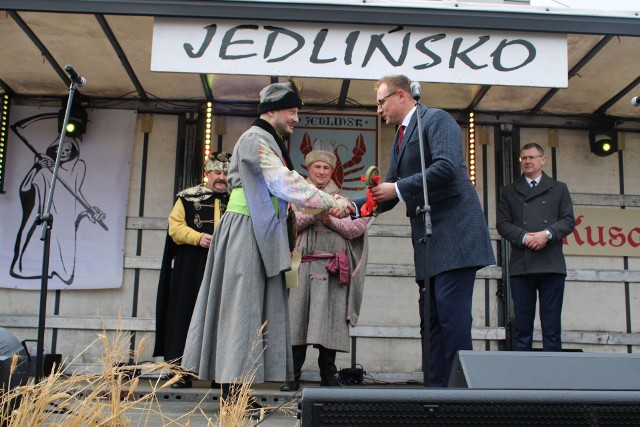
534	215
460	244
240	322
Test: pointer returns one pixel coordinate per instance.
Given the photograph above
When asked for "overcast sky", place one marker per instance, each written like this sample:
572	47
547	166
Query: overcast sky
590	4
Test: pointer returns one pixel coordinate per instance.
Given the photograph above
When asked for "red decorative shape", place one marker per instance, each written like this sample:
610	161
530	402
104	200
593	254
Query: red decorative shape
370	204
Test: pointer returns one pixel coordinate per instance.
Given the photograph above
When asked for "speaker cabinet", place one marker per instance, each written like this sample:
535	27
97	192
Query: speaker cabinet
545	371
360	407
10	380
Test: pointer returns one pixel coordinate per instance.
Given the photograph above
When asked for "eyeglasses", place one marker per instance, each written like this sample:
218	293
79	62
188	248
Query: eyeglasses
383	99
527	158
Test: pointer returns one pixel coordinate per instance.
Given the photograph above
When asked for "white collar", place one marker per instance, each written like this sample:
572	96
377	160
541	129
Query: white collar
407	118
536	179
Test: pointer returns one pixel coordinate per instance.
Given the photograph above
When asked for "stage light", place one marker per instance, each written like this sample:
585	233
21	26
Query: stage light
4	127
77	123
207	133
603	138
471	148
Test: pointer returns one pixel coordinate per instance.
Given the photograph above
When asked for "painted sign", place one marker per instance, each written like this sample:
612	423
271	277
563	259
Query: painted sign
353	138
604	232
89	204
307	49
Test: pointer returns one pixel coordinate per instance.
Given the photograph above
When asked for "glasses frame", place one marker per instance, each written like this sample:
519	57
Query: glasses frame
382	100
525	158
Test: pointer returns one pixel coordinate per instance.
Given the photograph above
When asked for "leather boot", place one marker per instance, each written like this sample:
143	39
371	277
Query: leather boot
299	356
225	390
327	365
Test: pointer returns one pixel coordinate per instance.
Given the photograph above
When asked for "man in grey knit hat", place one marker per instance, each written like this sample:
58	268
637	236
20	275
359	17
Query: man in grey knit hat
326	302
244	287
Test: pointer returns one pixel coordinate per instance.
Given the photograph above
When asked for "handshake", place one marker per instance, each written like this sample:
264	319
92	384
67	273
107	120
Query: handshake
343	209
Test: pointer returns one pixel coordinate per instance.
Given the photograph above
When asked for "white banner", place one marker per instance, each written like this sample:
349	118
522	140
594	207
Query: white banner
89	200
304	49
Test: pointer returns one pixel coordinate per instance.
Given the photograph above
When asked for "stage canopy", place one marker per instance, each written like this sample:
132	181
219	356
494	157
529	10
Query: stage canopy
110	43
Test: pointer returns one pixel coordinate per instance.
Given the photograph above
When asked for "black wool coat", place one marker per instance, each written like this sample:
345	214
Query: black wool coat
523	209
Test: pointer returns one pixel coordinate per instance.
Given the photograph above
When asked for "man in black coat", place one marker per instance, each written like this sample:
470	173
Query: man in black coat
460	244
534	214
193	218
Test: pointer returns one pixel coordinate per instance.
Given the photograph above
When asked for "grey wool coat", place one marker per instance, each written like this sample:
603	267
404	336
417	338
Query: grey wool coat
460	237
319	306
522	209
237	294
243	286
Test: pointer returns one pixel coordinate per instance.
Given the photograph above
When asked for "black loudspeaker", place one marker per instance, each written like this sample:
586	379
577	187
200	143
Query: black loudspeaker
545	370
49	363
355	407
20	375
10	346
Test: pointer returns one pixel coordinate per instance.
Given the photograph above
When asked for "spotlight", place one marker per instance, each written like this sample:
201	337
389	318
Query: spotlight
77	123
603	138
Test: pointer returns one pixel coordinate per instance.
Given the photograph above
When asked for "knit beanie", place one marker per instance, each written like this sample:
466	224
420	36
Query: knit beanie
279	96
322	151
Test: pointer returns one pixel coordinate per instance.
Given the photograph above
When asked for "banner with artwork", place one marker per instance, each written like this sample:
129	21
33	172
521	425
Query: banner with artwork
88	203
352	137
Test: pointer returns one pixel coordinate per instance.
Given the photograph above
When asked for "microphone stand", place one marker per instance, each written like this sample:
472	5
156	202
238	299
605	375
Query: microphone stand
46	220
425	211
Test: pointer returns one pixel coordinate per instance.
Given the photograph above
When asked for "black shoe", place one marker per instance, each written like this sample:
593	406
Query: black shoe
183	383
290	386
330	382
225	390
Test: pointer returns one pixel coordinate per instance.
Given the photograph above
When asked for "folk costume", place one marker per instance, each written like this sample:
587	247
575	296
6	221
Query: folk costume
323	304
243	286
196	211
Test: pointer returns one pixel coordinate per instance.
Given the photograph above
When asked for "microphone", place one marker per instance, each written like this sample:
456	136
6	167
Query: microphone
415	90
75	77
635	101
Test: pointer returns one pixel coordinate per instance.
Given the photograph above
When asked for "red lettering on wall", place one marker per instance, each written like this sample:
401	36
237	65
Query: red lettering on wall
576	231
600	236
617	237
634	242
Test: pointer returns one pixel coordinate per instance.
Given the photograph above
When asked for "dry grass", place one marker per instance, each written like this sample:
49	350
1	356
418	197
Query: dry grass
106	399
236	409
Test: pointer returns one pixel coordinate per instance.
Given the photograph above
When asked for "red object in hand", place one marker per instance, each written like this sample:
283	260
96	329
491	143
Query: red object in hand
370	204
